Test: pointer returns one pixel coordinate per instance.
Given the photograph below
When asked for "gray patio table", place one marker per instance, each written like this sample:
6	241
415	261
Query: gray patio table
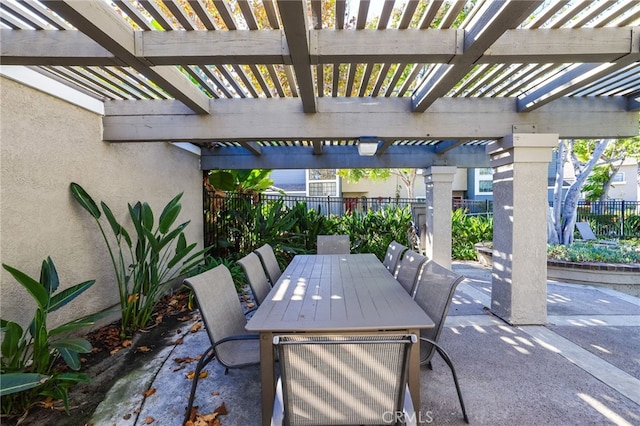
338	293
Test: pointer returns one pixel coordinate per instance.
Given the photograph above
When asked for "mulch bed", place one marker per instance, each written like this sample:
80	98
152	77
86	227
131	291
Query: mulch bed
111	358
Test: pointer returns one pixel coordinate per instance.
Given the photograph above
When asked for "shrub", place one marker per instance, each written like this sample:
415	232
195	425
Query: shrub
144	268
587	252
30	358
466	231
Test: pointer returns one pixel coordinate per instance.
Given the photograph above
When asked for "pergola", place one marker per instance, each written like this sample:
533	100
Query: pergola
300	84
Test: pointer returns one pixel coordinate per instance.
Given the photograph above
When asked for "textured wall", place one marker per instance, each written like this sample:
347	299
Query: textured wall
47	143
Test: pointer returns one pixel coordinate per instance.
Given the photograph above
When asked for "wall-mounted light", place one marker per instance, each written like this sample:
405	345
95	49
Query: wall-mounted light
367	145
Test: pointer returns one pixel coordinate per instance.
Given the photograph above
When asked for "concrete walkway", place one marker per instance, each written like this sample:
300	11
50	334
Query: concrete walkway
583	368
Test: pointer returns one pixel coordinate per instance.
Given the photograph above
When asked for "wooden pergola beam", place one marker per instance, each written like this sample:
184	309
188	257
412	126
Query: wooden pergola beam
53	47
98	21
387	118
294	157
496	18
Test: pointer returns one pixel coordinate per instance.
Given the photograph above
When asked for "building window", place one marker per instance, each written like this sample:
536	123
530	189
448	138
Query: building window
618	178
484	181
322	174
322	183
320	189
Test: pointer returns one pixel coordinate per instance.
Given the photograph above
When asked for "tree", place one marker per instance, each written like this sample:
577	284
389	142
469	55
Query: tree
577	151
601	179
595	164
407	176
242	181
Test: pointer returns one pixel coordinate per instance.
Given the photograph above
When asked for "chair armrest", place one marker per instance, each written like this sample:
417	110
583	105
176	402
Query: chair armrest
238	337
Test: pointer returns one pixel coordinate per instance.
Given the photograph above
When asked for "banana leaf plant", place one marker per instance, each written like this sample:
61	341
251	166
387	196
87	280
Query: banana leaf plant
144	267
29	362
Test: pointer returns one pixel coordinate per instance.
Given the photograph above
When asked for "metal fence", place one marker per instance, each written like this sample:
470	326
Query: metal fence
610	219
225	218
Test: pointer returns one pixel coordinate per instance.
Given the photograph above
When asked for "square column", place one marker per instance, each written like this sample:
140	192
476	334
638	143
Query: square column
439	183
520	179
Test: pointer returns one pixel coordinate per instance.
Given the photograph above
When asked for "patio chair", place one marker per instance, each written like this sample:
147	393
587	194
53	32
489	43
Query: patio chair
587	234
269	263
224	321
333	244
393	255
408	271
343	380
256	277
434	292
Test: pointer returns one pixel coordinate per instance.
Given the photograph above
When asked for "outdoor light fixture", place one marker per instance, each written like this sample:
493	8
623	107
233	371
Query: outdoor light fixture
367	145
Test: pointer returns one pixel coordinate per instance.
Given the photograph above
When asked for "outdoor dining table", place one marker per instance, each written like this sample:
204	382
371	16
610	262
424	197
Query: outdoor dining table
331	294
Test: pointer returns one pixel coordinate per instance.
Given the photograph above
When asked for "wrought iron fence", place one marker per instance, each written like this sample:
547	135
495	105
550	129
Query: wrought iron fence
611	219
223	215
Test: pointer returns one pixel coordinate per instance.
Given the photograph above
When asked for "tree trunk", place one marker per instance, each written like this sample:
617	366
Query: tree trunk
553	236
569	211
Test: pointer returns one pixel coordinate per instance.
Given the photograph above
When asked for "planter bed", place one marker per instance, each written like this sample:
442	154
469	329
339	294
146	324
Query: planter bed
621	277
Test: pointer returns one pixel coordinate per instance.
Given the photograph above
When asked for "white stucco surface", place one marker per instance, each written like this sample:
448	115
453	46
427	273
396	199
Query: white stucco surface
47	143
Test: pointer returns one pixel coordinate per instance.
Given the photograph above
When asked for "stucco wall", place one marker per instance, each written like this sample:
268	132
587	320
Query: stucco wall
47	143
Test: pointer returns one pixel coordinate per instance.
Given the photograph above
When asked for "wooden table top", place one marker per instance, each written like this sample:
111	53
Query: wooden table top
338	293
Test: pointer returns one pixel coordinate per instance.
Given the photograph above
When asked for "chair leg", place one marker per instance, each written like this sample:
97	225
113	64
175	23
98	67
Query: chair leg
204	360
446	359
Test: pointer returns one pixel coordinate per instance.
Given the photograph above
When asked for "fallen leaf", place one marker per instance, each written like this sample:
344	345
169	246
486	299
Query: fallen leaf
178	342
47	403
126	343
126	416
143	349
191	374
214	393
195	327
183	361
148	420
249	305
221	410
149	392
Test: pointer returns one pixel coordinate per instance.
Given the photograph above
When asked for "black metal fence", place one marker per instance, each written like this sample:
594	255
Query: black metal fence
341	205
610	219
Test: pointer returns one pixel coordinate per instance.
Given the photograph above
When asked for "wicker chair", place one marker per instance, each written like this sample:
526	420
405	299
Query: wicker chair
434	292
408	271
224	320
393	255
333	244
256	276
269	263
343	380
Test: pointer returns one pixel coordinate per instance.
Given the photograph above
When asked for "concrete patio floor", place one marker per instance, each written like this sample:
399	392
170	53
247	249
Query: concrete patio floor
583	368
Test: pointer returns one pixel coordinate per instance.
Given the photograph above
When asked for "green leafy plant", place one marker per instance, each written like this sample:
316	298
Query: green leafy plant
592	252
144	269
466	231
372	231
30	357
